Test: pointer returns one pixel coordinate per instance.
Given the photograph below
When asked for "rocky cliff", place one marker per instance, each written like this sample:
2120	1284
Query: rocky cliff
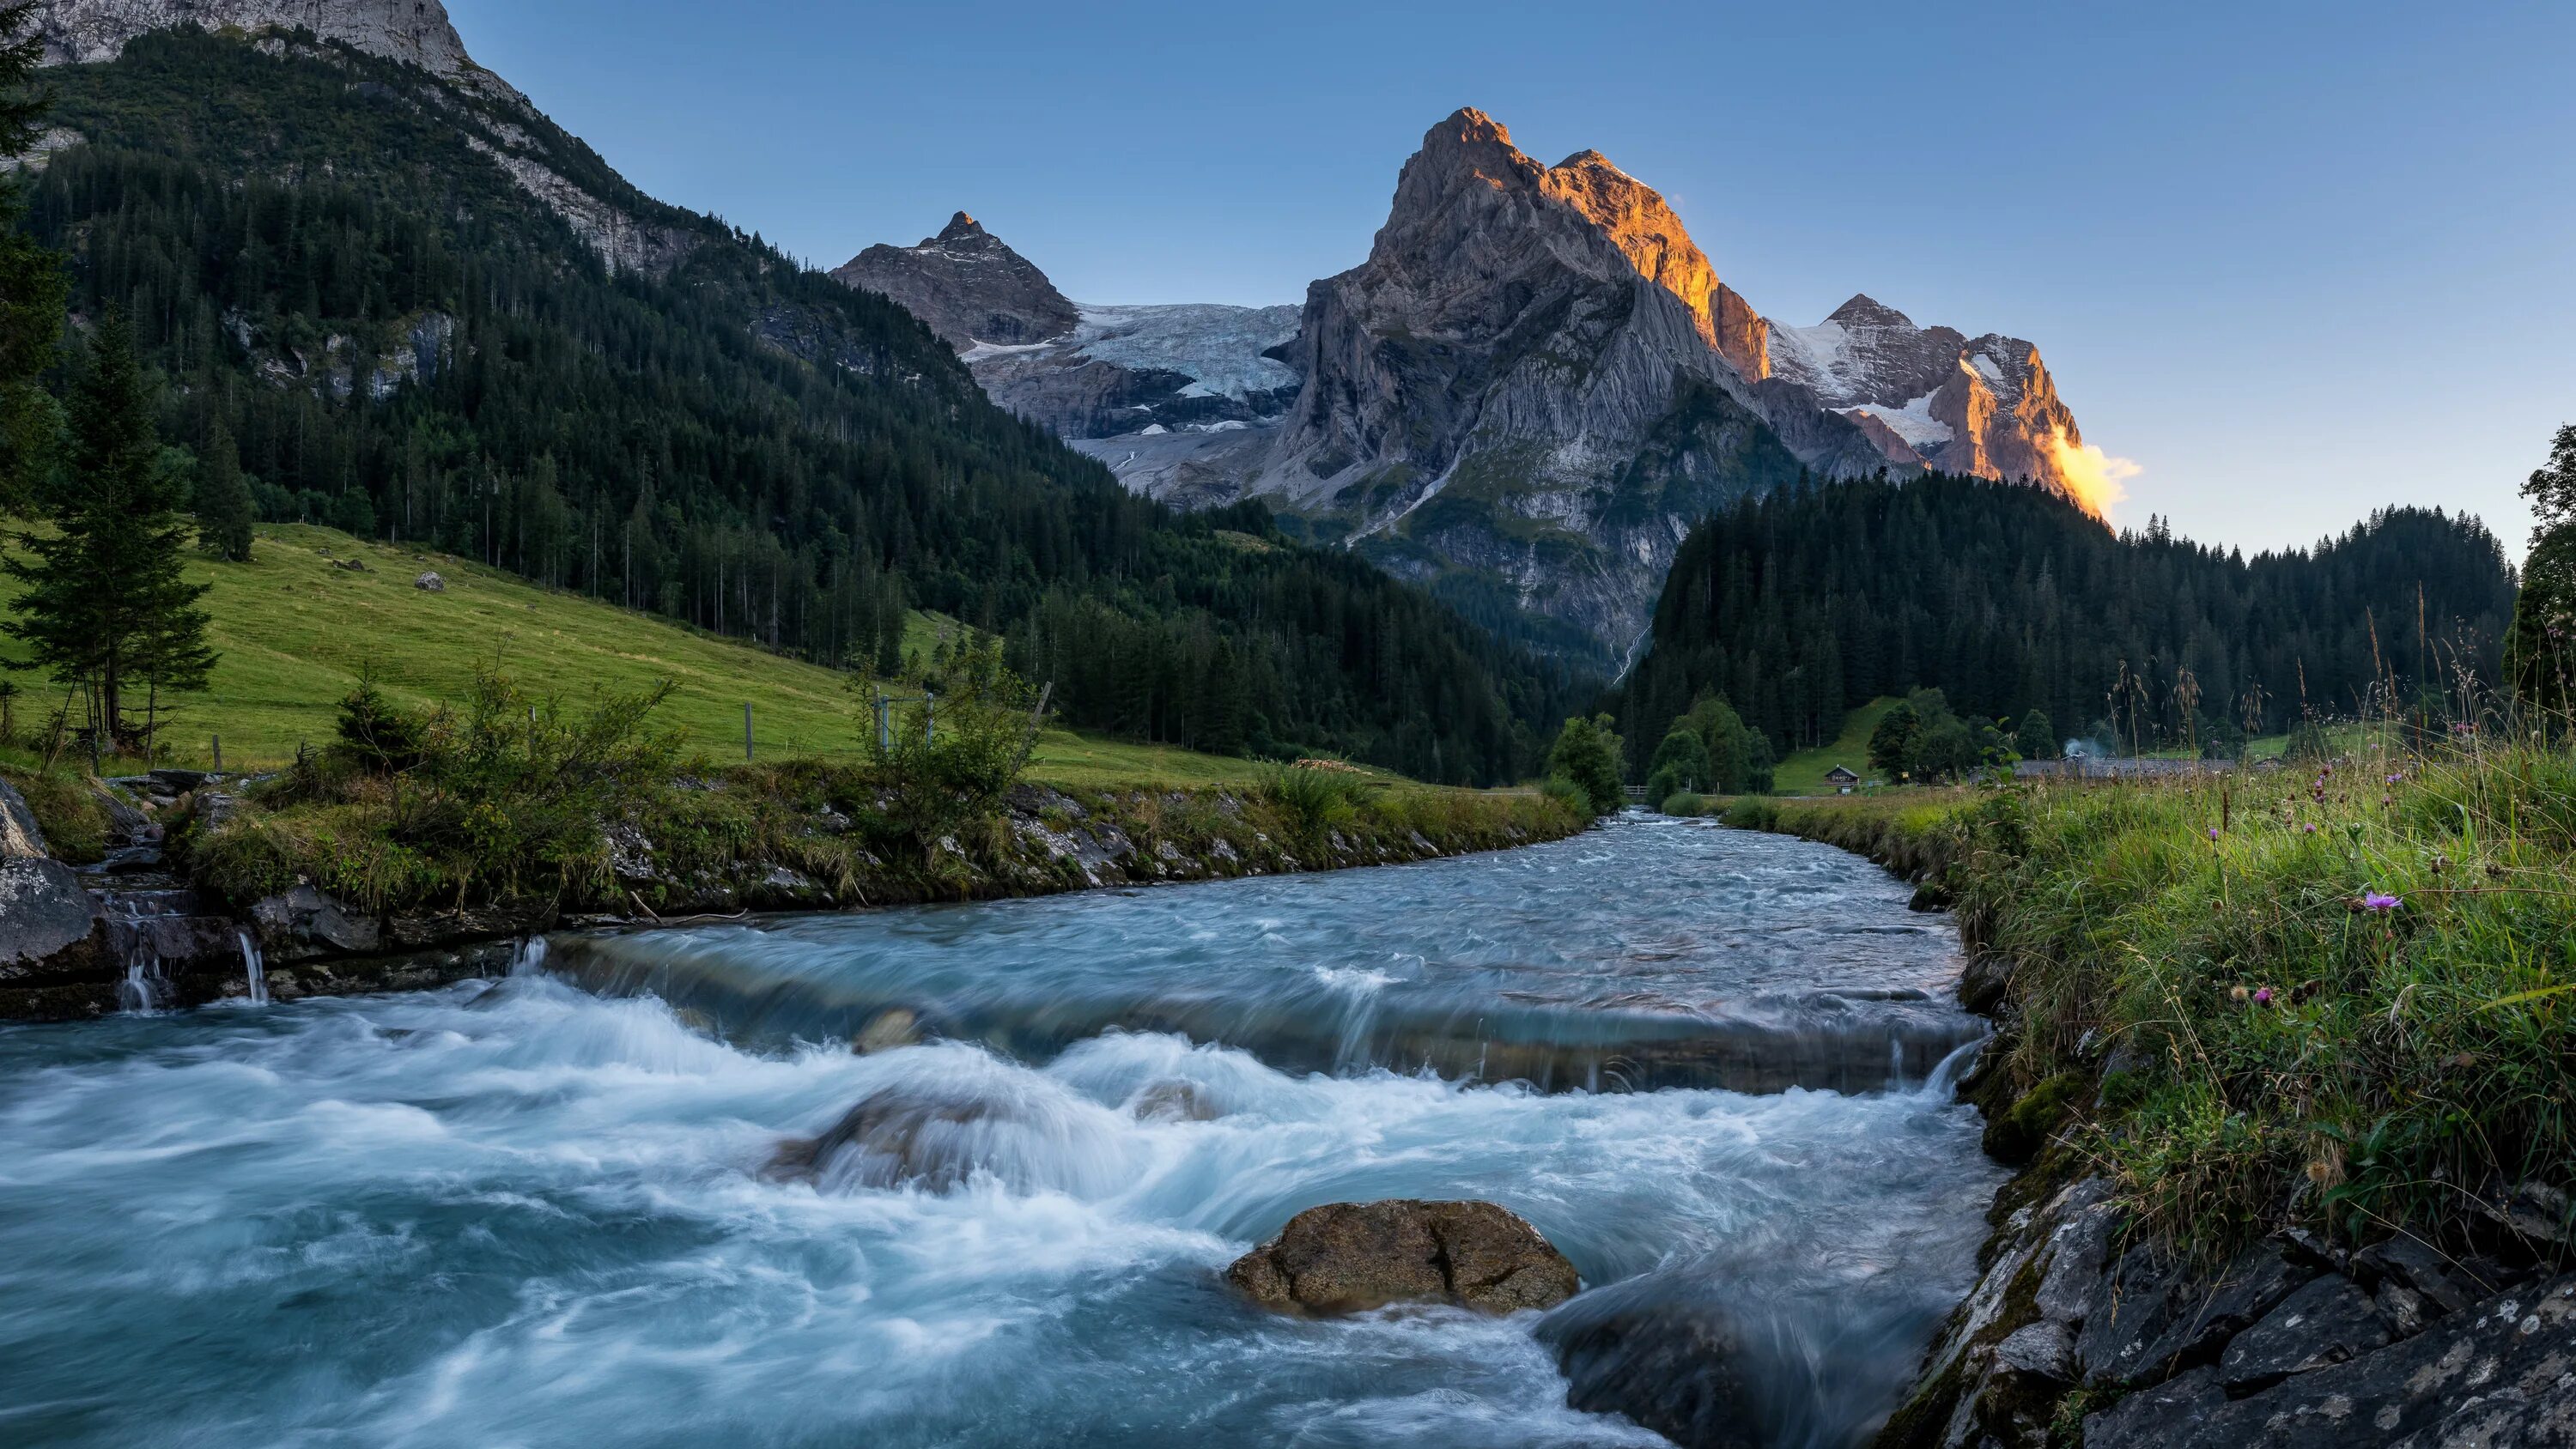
627	230
1984	405
1524	397
417	32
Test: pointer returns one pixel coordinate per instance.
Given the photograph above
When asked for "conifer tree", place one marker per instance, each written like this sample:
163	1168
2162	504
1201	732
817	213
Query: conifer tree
222	499
106	607
33	284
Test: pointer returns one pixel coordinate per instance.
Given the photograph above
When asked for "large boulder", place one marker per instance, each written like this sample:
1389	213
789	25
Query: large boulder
302	923
48	920
1348	1257
1679	1366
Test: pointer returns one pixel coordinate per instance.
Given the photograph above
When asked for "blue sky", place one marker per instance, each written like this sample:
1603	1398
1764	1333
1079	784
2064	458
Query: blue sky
2295	261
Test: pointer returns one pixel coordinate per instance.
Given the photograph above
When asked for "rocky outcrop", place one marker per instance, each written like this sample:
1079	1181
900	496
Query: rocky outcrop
1984	405
2292	1341
49	925
1198	372
965	285
1350	1257
415	32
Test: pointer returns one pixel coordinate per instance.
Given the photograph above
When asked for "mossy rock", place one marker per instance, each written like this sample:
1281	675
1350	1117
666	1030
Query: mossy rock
2018	1132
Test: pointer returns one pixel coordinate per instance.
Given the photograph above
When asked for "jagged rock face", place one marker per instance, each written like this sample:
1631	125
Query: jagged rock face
1983	406
966	286
1492	317
1638	222
417	32
491	115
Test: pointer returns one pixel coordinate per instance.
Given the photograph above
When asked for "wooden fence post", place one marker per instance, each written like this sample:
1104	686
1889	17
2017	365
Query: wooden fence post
746	732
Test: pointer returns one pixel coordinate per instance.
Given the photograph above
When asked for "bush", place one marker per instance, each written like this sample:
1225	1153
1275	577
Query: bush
505	794
953	758
1314	800
1587	754
1685	803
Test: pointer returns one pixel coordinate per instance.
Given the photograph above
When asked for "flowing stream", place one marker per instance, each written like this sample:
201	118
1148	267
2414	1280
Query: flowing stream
1712	1067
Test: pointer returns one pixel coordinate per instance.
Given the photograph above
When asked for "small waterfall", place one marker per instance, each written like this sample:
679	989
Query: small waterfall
1944	1081
1896	1064
139	993
528	958
254	970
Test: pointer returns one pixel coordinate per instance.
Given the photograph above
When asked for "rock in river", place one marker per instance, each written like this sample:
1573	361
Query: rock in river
1347	1257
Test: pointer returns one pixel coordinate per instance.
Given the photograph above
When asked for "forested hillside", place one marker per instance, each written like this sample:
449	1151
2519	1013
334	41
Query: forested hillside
1805	604
329	260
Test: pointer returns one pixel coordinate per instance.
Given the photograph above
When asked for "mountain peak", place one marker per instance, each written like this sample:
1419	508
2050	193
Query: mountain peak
967	285
1864	310
1469	124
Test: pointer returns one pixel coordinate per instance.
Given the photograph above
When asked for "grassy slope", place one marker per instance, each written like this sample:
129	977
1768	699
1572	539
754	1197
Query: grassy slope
1803	773
296	632
2378	1067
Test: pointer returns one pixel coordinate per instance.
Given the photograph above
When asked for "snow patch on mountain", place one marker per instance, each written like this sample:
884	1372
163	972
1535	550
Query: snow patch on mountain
1219	348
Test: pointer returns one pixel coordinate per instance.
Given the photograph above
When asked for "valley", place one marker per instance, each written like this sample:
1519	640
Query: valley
613	833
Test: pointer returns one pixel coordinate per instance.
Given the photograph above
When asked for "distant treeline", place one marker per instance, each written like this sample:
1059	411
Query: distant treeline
1802	605
407	344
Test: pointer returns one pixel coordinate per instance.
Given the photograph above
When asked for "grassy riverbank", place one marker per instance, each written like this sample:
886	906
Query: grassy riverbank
2337	997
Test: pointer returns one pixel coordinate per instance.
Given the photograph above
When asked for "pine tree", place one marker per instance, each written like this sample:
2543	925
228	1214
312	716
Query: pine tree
106	607
33	284
223	499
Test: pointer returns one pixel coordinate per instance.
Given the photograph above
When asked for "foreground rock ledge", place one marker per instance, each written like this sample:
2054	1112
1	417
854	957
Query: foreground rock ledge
1350	1257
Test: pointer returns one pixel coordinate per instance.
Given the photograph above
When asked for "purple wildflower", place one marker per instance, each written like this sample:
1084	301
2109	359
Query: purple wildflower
2400	775
2310	827
2213	832
2263	996
2374	901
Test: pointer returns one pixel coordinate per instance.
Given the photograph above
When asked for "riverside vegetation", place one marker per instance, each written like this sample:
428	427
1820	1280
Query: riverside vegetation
2337	996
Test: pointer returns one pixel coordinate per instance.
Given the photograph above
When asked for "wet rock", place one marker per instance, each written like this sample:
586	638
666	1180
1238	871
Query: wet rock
1174	1102
2501	1373
420	930
1678	1368
2328	1322
303	922
1983	982
893	1027
49	924
1347	1257
179	782
936	1135
213	810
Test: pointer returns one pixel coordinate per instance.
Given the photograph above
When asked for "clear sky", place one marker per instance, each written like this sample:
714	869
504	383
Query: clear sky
2296	261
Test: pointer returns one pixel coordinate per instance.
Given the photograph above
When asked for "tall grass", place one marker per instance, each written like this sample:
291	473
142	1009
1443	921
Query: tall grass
2339	994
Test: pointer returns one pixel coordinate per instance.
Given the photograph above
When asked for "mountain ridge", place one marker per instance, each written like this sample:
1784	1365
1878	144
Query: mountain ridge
1508	357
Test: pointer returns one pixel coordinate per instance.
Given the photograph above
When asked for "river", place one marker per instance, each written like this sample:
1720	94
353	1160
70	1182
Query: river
1711	1066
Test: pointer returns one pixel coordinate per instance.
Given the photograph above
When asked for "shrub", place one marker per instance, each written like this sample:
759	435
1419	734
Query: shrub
953	758
1587	754
1314	800
1685	803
